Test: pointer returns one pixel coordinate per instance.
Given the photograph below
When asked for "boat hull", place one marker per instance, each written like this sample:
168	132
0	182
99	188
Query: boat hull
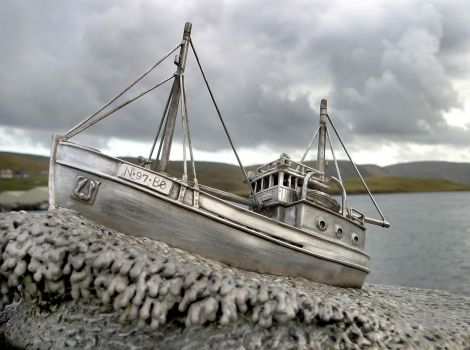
85	180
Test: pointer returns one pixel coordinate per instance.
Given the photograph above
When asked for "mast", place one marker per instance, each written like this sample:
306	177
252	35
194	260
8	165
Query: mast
180	62
322	139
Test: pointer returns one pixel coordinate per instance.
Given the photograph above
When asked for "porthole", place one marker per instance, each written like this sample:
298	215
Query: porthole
321	224
339	231
355	239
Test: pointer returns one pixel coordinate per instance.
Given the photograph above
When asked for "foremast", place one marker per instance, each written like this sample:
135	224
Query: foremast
175	96
176	102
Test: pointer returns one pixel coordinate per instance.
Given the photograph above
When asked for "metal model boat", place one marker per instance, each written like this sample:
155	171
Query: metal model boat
288	225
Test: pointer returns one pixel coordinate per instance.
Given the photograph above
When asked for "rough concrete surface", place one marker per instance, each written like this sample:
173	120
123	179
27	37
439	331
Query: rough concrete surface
74	284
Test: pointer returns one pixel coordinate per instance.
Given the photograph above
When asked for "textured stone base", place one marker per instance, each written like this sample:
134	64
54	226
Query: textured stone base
85	286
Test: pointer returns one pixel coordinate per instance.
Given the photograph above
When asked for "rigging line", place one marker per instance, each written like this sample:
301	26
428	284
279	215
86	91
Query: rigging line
75	132
189	134
160	146
310	145
334	157
159	127
121	93
220	117
184	129
357	170
308	149
345	206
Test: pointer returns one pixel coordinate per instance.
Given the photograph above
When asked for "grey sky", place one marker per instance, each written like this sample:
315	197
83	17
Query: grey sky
395	73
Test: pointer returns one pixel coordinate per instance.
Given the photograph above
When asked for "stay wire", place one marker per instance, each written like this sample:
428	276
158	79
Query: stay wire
75	132
165	110
196	185
345	206
310	145
220	116
334	156
72	132
355	168
184	131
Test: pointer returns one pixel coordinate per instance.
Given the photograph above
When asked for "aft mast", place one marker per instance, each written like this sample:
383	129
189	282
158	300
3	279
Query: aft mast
322	140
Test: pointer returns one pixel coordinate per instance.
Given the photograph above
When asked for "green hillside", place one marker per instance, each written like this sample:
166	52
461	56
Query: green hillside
23	184
230	178
35	166
456	172
347	169
392	184
17	161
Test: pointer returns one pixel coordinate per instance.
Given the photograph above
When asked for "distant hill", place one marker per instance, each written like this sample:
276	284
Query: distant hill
379	179
19	161
348	172
35	166
395	184
456	172
406	177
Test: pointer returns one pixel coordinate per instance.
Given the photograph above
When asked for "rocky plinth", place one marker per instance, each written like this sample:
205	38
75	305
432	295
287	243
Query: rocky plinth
74	284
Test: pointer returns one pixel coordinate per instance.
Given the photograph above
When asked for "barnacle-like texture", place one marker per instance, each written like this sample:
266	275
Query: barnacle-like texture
60	261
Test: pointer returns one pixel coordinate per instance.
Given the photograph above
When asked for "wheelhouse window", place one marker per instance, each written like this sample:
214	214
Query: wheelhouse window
265	182
293	182
286	180
275	178
253	186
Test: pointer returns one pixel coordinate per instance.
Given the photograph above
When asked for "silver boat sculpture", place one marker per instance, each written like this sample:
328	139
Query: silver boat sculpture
288	225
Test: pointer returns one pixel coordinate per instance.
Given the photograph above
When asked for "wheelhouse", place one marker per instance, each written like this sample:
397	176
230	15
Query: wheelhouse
296	194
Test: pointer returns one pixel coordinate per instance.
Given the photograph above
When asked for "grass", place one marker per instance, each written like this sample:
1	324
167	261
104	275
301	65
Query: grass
28	162
388	184
36	166
226	177
23	184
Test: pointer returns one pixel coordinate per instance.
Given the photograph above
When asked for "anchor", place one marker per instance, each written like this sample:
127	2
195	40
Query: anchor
82	181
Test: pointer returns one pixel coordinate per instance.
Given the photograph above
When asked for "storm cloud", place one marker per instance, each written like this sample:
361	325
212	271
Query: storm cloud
387	68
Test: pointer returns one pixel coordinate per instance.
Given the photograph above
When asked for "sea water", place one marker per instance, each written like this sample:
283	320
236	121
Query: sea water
428	245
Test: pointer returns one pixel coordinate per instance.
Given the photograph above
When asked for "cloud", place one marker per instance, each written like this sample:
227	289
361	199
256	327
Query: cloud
386	67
